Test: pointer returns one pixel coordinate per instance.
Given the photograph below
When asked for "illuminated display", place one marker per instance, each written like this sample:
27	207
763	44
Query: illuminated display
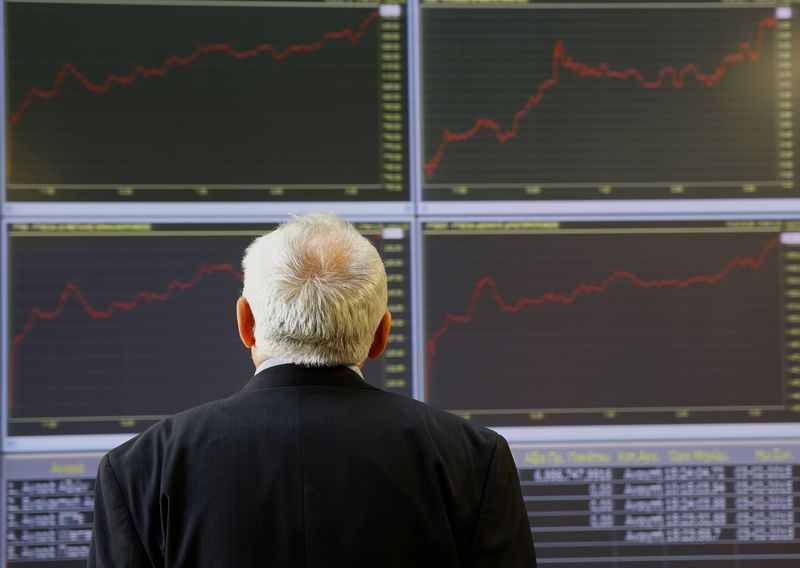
657	505
612	323
138	322
599	101
269	101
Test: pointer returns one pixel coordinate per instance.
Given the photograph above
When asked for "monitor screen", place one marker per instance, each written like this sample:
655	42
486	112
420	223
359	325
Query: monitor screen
256	101
113	326
527	101
598	323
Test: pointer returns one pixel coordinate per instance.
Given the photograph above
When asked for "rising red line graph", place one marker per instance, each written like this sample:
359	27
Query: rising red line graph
137	299
666	76
137	72
71	290
487	283
140	71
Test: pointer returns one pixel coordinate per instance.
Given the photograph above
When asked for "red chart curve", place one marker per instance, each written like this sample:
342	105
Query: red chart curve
353	35
666	76
72	290
487	283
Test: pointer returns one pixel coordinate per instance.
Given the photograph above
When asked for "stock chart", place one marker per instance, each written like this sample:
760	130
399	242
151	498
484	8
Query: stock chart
267	101
604	323
114	326
597	101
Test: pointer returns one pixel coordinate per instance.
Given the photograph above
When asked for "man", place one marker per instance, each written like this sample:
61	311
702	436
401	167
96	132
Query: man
308	465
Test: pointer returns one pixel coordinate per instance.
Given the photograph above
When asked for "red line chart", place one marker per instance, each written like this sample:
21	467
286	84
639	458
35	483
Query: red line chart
137	299
68	69
141	297
488	284
667	76
71	290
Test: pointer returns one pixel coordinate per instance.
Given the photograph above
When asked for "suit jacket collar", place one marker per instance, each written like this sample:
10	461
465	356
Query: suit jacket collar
299	376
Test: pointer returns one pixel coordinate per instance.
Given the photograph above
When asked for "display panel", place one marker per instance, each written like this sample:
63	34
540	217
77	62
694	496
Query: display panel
709	504
589	323
206	101
606	101
48	506
115	326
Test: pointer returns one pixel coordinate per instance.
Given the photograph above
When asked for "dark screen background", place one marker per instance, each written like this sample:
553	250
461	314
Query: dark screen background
589	130
156	96
573	324
111	333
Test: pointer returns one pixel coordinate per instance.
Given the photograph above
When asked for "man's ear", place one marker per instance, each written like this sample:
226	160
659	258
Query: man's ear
246	322
381	338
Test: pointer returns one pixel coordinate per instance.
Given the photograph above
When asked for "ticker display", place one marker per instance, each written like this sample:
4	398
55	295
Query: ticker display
48	507
703	503
658	505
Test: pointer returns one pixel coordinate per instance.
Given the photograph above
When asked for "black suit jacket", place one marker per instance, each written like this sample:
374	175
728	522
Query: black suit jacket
311	467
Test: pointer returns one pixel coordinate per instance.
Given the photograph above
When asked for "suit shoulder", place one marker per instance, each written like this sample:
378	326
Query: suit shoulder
441	422
149	446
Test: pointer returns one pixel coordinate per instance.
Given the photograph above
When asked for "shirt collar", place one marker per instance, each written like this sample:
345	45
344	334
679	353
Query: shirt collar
275	361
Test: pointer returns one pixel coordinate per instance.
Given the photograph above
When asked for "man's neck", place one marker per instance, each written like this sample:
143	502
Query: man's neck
275	361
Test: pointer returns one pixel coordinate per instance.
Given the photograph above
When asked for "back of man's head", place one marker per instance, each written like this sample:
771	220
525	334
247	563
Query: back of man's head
317	290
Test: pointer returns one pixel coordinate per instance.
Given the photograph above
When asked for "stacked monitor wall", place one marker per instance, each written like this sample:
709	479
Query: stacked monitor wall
587	211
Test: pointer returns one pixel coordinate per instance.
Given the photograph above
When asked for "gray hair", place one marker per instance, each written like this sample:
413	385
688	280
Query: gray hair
317	289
